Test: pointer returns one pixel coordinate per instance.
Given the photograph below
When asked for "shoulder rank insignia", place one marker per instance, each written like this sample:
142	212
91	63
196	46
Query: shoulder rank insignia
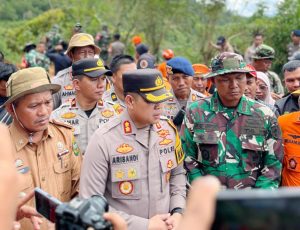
107	113
114	97
68	115
118	108
124	148
158	126
194	97
127	127
100	103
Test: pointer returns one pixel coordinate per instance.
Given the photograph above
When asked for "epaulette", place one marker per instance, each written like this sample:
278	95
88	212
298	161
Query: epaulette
62	72
109	125
63	124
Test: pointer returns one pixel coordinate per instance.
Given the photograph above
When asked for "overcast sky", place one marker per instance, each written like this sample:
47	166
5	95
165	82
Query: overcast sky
247	8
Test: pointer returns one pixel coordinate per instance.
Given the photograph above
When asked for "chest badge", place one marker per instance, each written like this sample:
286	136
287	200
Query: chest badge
107	113
126	187
124	148
68	115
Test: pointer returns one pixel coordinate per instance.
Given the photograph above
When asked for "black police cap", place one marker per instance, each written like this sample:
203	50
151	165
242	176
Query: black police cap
91	67
148	83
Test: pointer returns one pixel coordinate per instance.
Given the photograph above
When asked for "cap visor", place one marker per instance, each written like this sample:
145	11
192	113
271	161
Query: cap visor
98	73
157	96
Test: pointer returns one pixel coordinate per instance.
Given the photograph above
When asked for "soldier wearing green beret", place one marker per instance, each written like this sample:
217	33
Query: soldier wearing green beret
231	136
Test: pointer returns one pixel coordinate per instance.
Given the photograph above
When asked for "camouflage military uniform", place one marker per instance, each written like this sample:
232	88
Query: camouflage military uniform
266	52
275	82
36	59
31	58
42	61
63	78
242	147
111	98
83	125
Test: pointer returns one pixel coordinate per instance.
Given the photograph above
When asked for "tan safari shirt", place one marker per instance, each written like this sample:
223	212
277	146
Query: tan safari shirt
53	165
139	171
83	125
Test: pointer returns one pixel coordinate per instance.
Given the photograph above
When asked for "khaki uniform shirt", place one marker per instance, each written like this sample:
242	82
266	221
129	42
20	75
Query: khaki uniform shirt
83	125
67	92
172	106
53	165
139	171
111	98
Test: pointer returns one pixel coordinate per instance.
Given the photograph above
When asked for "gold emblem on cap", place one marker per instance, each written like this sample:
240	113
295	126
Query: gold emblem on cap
158	81
100	63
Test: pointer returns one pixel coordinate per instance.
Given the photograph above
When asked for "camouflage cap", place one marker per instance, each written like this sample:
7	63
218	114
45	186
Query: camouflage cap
264	52
227	63
28	81
81	40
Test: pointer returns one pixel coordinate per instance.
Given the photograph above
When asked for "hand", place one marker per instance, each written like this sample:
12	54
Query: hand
200	210
173	221
24	211
276	96
117	221
158	222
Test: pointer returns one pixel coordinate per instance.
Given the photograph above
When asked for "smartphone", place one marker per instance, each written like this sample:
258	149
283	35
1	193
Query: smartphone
258	209
46	204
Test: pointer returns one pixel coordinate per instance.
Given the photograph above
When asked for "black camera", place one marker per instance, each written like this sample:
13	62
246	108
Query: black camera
78	214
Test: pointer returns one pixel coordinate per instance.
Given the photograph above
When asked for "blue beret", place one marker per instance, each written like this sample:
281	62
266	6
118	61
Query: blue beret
296	33
180	65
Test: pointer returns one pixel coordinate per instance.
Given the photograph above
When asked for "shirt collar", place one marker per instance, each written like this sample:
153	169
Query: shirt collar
243	107
20	136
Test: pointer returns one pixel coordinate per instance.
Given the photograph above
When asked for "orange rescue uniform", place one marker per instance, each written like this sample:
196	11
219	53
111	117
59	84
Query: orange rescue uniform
290	127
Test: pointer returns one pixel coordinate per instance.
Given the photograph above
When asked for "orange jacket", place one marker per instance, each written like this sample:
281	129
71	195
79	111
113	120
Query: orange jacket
290	127
163	69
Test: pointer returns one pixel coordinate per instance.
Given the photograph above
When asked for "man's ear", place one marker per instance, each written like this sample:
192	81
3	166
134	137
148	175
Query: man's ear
9	109
129	101
168	78
76	84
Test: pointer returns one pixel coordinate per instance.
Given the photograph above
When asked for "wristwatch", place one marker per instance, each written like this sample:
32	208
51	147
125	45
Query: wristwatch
177	210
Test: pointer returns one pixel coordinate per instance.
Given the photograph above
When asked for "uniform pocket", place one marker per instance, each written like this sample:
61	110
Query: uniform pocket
208	147
127	190
62	171
252	150
125	176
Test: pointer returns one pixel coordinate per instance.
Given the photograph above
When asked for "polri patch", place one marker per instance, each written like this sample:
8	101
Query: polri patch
126	187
